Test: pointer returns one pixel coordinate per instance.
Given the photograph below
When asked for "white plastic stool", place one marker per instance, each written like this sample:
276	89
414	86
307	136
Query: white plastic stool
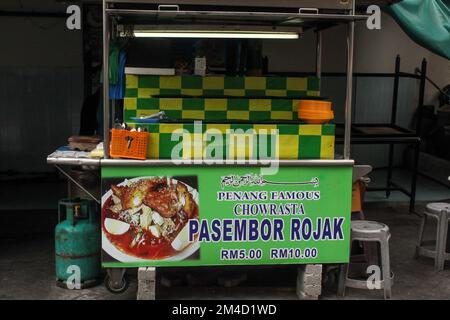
369	231
441	212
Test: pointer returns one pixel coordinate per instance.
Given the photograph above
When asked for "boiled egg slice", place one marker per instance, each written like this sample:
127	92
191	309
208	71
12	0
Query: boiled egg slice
116	227
182	239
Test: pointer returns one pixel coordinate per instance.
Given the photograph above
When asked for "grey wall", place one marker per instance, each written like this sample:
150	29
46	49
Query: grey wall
41	85
40	111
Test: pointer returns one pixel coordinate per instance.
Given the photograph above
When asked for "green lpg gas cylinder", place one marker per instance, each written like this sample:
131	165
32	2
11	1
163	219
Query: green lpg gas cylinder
77	243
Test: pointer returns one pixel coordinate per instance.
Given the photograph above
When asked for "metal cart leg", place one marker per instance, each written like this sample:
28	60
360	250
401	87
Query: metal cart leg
343	273
116	280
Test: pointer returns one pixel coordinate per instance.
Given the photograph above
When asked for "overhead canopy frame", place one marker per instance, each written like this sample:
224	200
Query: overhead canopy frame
302	14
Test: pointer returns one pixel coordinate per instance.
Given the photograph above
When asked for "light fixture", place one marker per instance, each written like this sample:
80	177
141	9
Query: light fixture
214	34
217	31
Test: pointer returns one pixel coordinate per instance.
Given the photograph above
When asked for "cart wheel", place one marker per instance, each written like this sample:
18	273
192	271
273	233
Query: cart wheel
117	286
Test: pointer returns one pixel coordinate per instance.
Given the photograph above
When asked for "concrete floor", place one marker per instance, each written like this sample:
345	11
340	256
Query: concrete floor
27	263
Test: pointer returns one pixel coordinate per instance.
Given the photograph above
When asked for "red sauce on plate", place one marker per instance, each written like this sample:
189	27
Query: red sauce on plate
149	247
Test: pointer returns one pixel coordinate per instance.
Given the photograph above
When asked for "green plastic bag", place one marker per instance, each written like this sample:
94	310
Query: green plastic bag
113	72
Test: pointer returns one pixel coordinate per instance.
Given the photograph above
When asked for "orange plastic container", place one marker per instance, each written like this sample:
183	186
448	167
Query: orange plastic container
314	105
128	144
319	114
315	111
317	119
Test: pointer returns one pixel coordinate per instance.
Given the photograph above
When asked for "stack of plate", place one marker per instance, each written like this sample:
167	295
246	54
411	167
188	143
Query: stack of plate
315	111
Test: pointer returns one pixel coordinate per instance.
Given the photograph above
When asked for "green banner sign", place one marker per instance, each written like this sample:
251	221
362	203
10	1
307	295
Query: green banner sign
205	216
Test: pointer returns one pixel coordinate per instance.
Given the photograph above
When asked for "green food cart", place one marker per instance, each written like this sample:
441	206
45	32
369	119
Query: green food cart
201	198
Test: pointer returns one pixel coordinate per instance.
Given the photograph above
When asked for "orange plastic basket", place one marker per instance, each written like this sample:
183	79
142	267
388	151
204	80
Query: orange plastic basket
128	144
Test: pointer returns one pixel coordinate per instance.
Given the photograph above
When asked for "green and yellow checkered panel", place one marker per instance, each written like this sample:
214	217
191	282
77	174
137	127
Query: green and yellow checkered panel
178	97
215	109
240	141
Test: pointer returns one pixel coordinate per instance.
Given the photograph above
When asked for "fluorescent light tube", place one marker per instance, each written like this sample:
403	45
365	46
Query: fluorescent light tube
215	34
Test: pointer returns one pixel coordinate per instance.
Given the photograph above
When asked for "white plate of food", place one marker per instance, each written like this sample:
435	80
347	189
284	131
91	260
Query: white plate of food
146	219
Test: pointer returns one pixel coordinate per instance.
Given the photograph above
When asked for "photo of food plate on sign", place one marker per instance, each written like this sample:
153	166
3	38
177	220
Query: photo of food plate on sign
146	218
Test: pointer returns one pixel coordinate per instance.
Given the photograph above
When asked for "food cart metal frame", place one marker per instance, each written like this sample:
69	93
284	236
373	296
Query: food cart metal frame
306	18
302	14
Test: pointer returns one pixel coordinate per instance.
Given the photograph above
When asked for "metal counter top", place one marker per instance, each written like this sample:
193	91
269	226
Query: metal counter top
73	161
159	163
96	164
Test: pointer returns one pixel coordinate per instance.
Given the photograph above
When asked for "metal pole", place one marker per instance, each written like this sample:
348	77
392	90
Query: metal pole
349	93
76	183
105	81
395	95
393	121
423	77
319	54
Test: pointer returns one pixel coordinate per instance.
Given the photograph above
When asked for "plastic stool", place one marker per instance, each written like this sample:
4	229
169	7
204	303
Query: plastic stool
369	231
440	212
